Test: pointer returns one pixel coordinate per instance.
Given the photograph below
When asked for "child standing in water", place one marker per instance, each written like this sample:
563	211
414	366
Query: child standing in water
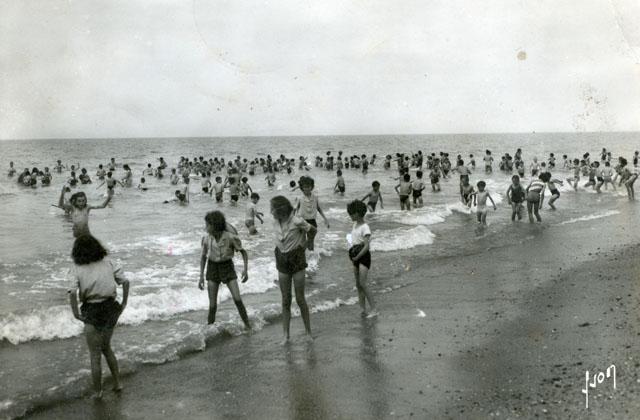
253	213
515	197
340	185
218	248
96	281
79	210
308	207
417	186
291	237
360	255
480	198
374	195
404	191
535	196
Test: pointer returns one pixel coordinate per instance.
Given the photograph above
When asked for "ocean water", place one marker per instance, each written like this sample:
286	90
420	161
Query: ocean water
159	244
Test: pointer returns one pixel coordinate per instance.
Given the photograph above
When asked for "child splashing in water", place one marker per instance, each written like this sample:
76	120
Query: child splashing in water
79	210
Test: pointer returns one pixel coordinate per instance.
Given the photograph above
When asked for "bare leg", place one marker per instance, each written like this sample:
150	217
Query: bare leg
94	341
112	362
530	211
235	293
212	289
284	280
536	206
298	284
361	296
363	284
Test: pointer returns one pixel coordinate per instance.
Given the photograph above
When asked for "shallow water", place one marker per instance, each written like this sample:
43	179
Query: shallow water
158	244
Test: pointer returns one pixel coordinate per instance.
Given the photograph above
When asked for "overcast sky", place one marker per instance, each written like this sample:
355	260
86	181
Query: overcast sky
138	68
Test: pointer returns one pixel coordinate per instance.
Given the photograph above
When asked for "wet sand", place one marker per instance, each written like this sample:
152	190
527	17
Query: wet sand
508	332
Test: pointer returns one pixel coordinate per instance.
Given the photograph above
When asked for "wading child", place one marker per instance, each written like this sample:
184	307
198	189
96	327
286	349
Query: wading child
480	199
434	176
576	175
245	188
111	183
218	248
360	255
417	187
515	197
488	162
252	213
607	177
555	193
290	237
535	196
374	196
96	279
174	178
340	185
79	210
308	207
218	187
404	191
466	193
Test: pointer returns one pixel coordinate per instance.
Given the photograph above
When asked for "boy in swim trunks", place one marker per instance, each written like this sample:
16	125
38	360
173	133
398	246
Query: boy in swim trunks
404	190
252	213
434	176
480	198
111	183
466	193
417	186
373	196
606	175
555	194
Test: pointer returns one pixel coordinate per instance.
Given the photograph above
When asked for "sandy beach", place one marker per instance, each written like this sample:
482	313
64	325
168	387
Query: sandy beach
507	332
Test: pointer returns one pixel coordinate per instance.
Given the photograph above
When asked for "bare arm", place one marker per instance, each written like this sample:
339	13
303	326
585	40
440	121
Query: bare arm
203	262
492	202
125	293
61	202
245	261
103	205
508	195
321	213
73	302
364	249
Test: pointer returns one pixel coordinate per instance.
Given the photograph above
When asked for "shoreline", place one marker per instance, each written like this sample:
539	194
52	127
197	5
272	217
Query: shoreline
488	344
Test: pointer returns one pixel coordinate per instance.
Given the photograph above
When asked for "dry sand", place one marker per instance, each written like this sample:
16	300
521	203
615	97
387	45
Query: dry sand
508	332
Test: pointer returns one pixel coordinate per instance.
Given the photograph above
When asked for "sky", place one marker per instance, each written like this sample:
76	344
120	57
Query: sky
204	68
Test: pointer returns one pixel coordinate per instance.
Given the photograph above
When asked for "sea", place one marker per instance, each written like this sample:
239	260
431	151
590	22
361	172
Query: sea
43	356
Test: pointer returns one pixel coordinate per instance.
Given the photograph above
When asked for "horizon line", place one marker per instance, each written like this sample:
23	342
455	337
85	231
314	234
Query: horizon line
316	135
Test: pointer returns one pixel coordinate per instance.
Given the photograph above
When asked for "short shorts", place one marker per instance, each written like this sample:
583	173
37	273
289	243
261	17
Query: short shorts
417	194
221	272
364	260
291	262
234	197
102	315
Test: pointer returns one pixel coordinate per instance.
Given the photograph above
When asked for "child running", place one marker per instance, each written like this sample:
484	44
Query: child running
535	196
360	255
374	196
417	187
480	198
515	197
218	248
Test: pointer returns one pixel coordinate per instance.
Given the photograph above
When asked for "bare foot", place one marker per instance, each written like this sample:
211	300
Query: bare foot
374	313
97	395
117	388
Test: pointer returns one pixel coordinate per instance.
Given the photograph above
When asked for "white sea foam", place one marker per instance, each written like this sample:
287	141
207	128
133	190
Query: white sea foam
58	322
590	217
402	238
